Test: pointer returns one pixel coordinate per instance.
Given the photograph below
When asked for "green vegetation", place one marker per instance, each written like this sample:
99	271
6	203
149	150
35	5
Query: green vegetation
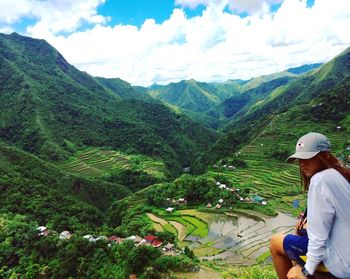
99	156
51	109
28	255
51	197
134	171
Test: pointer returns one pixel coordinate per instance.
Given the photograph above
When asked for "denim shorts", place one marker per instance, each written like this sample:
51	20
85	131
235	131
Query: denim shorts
295	246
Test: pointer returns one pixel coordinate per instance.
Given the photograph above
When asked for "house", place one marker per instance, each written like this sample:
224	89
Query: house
142	242
170	209
233	190
42	231
209	205
115	239
102	237
65	235
264	202
153	240
89	237
169	247
218	206
221	200
137	239
231	167
222	187
241	199
247	199
182	200
218	183
258	199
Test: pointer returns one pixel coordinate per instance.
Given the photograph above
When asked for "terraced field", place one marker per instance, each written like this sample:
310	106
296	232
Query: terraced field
184	224
211	236
95	162
276	181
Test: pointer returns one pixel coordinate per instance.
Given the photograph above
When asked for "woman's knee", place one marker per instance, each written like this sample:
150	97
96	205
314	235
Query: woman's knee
276	243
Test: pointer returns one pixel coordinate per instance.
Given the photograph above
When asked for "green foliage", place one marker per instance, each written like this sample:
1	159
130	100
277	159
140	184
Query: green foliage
279	154
177	263
46	103
134	180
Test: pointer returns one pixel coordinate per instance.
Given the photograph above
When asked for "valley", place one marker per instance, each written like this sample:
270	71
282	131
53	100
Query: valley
198	166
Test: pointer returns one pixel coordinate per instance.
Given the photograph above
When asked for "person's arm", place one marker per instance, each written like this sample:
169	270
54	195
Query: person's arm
320	219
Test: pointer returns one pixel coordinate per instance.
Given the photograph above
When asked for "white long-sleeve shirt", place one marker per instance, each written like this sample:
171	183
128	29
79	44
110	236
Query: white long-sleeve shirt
328	229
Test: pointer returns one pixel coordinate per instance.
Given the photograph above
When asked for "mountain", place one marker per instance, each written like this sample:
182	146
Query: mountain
292	72
221	100
49	108
42	192
240	104
304	68
122	89
317	101
305	89
190	95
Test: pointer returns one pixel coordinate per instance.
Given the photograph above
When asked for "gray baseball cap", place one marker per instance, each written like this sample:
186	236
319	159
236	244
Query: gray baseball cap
309	146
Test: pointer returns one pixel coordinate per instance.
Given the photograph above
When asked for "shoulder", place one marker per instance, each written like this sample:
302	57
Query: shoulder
326	175
326	178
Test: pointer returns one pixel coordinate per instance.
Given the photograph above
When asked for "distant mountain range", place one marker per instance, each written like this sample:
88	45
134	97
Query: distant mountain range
314	100
201	96
60	127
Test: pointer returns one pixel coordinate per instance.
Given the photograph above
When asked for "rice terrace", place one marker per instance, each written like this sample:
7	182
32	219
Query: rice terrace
161	153
98	162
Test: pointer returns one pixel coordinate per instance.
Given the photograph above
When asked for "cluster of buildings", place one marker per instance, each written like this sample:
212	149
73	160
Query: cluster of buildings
152	240
226	167
173	202
255	199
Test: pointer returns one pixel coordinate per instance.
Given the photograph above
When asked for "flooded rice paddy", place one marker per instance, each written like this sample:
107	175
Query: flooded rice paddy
239	239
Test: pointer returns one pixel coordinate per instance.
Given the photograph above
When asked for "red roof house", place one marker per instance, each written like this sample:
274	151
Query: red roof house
153	240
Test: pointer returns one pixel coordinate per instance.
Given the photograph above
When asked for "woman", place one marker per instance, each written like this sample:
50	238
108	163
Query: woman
327	238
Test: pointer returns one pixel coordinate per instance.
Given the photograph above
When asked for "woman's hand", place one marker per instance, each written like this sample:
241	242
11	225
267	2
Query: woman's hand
301	224
295	273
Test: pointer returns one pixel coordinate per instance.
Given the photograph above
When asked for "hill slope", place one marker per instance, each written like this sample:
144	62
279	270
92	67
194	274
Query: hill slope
314	102
190	95
51	109
39	190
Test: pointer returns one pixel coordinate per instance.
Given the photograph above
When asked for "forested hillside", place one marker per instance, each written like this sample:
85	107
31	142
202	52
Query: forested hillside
314	100
101	158
51	109
39	190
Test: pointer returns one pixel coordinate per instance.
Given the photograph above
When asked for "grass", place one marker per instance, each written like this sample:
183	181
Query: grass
192	224
201	228
259	271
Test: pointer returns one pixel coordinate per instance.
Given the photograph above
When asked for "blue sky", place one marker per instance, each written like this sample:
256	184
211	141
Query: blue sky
135	12
162	41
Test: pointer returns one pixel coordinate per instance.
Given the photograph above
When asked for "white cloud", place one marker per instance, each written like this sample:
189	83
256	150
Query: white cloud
12	10
240	6
214	46
6	29
53	16
252	6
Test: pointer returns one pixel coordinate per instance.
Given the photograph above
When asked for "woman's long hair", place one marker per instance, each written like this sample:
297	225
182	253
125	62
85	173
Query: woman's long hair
328	161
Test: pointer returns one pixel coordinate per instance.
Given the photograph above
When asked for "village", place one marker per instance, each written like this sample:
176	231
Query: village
168	249
220	203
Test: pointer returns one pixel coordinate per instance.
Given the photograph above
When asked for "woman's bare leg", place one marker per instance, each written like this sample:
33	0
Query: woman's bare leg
280	261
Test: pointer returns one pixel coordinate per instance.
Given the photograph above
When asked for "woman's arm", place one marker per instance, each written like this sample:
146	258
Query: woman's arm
321	213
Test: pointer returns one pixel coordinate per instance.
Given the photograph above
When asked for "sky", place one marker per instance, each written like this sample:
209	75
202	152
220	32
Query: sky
161	41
